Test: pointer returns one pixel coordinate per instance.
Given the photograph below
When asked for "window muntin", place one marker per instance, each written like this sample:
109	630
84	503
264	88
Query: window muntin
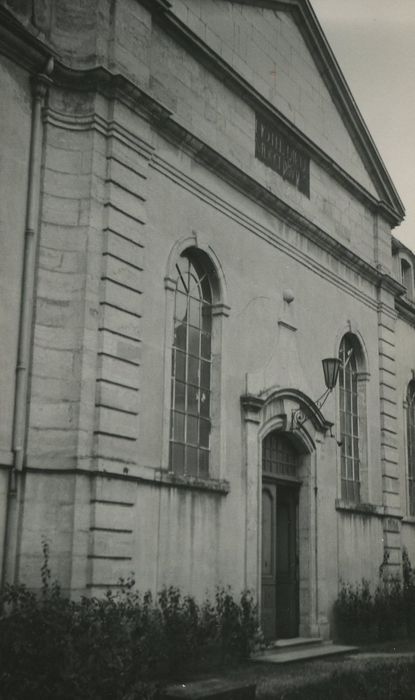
410	422
349	422
190	416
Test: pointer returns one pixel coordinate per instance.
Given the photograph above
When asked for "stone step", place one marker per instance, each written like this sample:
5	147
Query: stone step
290	655
296	642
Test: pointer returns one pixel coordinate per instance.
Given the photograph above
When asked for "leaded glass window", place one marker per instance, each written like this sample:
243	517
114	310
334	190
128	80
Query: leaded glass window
349	421
279	457
411	447
190	420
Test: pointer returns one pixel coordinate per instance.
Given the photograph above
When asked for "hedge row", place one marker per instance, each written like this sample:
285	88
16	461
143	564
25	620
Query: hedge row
120	647
362	616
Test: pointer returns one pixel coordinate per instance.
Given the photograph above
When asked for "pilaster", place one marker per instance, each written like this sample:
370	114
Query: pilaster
388	426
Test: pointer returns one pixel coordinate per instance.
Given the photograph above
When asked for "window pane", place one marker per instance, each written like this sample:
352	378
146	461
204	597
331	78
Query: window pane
181	307
180	366
348	427
178	426
205	286
205	374
206	345
194	284
204	404
191	460
193	399
193	341
180	336
355	400
204	433
193	370
177	458
179	401
182	268
192	430
207	318
203	464
194	311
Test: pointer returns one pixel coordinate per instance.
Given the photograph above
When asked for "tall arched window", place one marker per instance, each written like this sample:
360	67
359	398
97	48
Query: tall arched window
350	420
410	423
190	414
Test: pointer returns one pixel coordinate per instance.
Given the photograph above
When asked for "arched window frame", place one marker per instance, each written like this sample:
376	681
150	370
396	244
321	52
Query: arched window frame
410	448
353	473
206	260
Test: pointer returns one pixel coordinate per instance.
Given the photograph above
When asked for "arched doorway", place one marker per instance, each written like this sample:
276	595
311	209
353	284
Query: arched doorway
280	561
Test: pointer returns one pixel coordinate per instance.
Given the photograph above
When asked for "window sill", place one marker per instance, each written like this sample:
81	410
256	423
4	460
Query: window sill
360	508
219	486
408	520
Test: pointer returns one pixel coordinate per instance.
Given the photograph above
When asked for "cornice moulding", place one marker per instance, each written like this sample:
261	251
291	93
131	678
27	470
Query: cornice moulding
17	42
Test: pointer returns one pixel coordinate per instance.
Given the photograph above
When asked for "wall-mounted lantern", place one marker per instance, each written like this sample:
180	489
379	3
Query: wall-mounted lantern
331	367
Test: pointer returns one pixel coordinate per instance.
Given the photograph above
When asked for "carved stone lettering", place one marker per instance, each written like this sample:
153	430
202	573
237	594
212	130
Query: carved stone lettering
391	525
280	154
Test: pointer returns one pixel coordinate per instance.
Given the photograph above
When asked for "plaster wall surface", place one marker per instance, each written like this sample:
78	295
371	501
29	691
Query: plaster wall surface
361	543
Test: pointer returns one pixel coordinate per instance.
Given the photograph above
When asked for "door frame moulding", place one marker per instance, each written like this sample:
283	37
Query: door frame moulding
261	415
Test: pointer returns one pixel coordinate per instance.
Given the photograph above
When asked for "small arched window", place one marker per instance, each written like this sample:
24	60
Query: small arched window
406	277
190	414
410	423
350	420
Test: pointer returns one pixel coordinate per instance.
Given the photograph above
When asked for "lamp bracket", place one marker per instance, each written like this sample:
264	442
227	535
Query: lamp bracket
298	417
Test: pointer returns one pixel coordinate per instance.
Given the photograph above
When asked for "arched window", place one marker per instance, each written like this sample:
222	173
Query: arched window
190	414
407	277
410	423
350	420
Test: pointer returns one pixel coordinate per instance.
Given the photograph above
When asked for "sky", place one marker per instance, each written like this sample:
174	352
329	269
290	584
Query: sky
374	44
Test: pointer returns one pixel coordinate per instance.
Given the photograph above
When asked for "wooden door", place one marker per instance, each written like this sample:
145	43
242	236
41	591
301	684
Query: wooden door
279	608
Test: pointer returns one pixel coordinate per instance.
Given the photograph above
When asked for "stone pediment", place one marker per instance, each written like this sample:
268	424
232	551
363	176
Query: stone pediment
280	49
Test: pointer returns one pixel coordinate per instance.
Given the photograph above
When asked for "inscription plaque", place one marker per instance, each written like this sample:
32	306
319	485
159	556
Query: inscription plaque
391	525
282	155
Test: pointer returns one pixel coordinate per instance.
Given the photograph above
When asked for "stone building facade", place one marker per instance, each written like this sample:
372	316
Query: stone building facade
193	215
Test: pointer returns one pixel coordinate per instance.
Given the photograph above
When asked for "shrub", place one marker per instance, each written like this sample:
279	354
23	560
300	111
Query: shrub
388	613
119	647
